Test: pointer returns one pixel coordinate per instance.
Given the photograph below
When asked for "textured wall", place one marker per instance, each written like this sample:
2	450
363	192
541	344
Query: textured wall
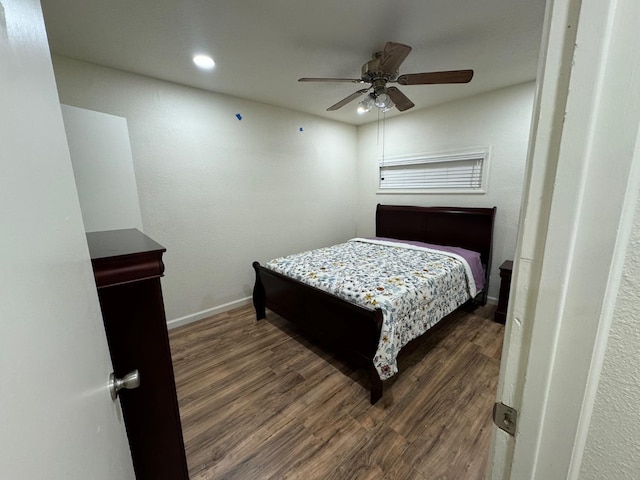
613	444
500	119
219	192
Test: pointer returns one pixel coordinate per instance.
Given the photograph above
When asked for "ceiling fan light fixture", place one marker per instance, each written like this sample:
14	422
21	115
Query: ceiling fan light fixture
388	107
366	104
383	101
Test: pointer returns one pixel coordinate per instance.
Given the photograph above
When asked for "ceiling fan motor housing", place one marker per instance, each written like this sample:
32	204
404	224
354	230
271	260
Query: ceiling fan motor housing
371	71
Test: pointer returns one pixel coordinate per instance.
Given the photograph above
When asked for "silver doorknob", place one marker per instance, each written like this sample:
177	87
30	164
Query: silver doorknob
130	381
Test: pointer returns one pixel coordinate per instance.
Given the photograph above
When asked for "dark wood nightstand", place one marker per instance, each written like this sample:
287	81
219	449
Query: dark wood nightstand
505	284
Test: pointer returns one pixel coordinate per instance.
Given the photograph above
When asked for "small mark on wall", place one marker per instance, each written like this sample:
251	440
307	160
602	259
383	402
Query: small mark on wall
238	116
301	129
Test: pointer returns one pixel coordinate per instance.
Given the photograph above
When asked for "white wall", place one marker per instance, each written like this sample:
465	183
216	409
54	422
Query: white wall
103	169
500	119
613	440
219	192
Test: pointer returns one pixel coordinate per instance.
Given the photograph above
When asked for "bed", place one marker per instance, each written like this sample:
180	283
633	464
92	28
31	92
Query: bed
358	323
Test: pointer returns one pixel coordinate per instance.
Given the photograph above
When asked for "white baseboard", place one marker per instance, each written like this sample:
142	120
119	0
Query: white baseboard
194	317
492	300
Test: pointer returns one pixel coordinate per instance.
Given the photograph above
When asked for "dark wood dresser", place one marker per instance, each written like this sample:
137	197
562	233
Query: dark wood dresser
505	286
127	266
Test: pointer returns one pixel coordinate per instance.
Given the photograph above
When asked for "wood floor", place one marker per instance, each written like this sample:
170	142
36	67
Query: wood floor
260	401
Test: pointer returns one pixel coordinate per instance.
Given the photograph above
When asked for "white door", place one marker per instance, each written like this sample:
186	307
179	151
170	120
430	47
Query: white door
57	419
580	195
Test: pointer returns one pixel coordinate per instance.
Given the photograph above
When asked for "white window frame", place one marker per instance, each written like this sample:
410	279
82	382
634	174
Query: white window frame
470	153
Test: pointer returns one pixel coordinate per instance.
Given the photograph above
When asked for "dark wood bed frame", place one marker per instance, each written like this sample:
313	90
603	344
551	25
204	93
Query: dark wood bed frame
351	328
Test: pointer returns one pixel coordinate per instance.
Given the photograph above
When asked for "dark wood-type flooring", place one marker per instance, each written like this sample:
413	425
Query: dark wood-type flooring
260	401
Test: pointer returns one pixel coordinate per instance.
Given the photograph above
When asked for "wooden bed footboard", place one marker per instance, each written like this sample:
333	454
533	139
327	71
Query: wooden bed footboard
343	325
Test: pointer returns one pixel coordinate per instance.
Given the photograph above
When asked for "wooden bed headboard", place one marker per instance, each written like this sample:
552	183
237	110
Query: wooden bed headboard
470	228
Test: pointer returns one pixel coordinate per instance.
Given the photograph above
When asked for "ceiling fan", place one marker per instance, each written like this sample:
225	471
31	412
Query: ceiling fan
383	69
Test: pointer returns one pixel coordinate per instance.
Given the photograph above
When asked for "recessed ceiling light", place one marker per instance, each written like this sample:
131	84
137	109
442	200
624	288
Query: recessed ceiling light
204	61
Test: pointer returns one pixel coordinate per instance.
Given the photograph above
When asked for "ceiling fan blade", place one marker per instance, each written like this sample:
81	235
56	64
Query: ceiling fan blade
344	101
392	56
451	76
400	99
335	80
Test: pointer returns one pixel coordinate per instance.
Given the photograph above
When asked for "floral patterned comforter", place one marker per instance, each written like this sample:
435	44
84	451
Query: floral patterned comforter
414	287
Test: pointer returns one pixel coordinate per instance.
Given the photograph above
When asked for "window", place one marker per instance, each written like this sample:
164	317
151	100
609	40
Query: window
461	171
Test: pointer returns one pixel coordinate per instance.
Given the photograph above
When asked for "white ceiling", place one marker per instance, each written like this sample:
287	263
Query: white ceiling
262	47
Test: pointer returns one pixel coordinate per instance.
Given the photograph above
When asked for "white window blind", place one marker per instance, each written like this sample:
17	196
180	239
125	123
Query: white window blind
454	171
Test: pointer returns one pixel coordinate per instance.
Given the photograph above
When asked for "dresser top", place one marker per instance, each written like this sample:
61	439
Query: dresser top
118	243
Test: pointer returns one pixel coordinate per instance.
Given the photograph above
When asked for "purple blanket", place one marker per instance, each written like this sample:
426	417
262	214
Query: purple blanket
472	258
